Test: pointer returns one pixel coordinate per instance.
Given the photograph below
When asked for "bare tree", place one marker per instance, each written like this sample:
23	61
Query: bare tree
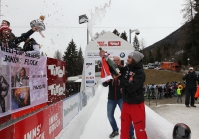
142	44
58	55
188	11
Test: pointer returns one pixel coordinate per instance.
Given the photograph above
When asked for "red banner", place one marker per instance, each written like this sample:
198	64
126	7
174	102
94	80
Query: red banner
46	124
5	119
56	74
7	133
27	111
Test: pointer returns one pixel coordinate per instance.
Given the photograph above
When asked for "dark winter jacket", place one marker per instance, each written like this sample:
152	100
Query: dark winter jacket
114	89
13	43
132	83
29	45
191	79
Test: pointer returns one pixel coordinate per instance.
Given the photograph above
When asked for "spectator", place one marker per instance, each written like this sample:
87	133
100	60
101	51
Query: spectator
179	94
152	90
31	46
114	99
8	24
133	108
191	79
160	91
8	41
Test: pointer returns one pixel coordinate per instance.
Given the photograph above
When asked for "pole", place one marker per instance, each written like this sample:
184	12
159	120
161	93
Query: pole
87	37
130	35
0	10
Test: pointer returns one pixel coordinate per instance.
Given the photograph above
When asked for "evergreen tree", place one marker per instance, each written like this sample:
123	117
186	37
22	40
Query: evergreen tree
116	32
58	55
123	36
42	53
158	55
79	62
70	57
136	43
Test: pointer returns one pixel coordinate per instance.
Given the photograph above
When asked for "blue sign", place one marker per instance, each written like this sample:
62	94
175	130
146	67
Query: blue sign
90	81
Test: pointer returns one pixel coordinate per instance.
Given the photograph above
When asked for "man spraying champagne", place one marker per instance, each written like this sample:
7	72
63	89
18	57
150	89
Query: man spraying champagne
108	66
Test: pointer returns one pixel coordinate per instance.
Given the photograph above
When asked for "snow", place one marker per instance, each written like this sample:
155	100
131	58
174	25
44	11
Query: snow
92	121
178	113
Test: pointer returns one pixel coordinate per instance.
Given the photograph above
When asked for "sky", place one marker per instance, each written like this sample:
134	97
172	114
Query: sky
154	18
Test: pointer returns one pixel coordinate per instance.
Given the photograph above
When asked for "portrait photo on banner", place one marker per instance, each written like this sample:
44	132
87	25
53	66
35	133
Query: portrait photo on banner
20	97
20	76
4	89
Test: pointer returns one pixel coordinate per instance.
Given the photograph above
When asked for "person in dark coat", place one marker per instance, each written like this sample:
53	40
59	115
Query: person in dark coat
9	41
31	46
191	85
133	108
114	99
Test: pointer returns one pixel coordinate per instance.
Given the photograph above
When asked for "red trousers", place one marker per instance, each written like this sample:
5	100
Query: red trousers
133	113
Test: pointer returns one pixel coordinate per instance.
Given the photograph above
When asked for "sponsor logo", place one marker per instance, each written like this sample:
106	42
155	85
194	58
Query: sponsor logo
90	81
102	43
114	43
88	64
122	54
57	89
56	71
89	73
90	77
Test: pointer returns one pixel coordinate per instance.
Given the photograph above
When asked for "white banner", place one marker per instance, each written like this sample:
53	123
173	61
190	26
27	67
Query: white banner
70	109
89	73
94	54
23	80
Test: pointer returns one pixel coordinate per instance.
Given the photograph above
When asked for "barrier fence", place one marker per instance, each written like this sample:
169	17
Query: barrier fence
36	100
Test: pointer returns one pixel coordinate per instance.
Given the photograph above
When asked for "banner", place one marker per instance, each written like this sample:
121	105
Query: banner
89	73
46	124
94	54
70	108
56	80
7	133
23	81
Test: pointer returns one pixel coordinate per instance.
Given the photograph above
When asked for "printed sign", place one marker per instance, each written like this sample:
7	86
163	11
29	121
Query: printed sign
46	124
89	73
109	43
56	80
70	109
7	133
23	80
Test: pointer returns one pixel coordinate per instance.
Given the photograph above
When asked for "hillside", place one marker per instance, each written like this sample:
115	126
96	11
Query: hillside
160	76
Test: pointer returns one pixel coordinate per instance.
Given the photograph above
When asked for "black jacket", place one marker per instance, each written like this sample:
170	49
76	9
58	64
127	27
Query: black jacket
13	43
114	89
132	84
191	79
29	45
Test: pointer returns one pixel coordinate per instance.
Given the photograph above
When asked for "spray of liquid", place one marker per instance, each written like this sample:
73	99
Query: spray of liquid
96	17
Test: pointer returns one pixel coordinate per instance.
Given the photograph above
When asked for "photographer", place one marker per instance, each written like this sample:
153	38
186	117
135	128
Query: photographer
191	79
133	109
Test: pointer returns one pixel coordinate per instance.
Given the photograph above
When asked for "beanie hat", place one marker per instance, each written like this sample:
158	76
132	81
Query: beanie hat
137	56
3	26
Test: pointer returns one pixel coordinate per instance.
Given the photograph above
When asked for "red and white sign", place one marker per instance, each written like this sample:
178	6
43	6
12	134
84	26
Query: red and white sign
109	43
56	80
46	124
114	43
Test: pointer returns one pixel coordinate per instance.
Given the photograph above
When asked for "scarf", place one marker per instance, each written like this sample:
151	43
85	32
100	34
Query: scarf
105	71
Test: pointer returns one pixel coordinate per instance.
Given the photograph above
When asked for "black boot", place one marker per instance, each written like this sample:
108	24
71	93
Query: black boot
113	134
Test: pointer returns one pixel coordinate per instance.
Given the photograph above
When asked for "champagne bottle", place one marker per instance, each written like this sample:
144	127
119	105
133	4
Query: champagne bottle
113	67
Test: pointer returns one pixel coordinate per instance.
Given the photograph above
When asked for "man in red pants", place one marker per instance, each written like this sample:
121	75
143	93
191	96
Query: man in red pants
133	109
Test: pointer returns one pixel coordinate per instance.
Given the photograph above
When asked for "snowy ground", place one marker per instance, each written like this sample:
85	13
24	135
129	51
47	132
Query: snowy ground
180	114
92	121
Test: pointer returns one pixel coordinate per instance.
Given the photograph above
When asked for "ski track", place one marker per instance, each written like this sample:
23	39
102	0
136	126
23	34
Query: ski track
98	126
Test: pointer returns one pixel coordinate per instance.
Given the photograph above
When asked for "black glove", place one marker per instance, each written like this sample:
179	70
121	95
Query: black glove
196	98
